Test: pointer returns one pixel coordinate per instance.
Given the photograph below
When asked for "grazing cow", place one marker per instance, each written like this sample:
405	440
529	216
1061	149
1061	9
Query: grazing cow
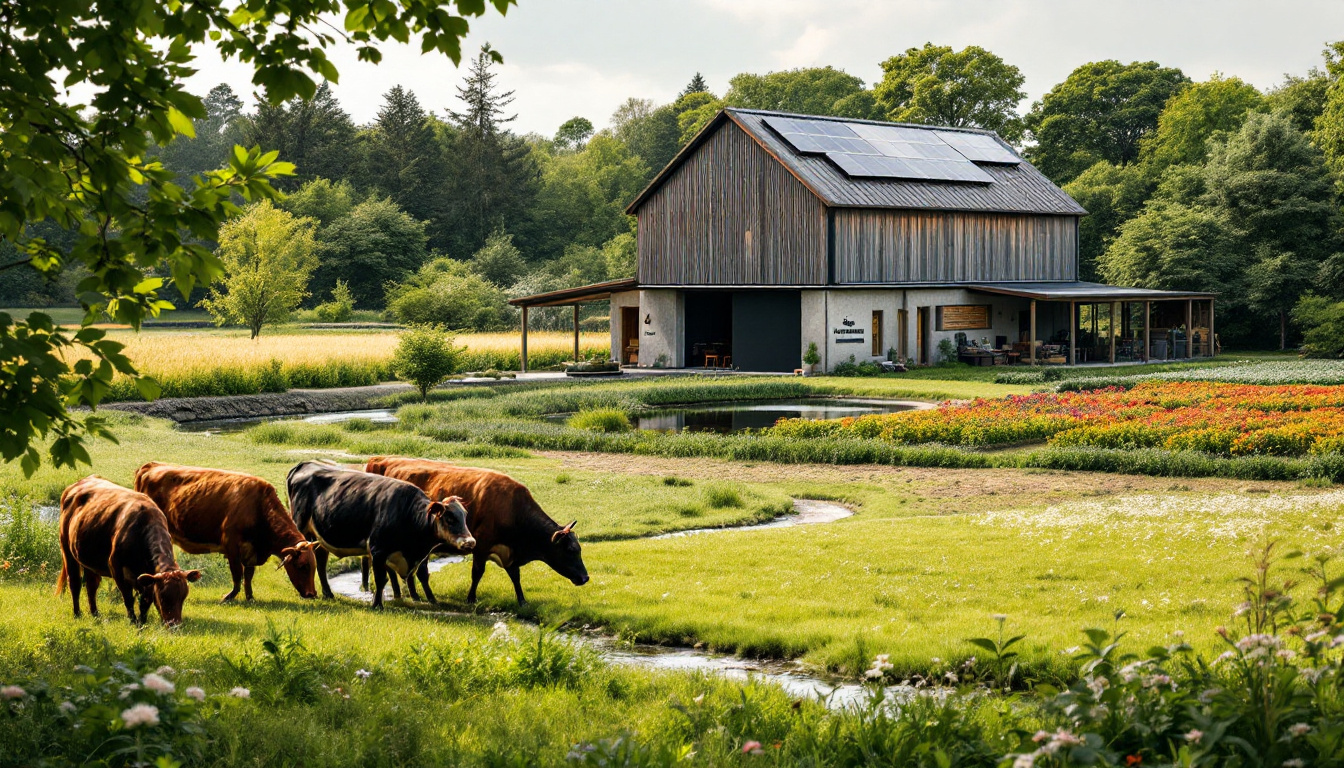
240	515
110	531
510	527
353	513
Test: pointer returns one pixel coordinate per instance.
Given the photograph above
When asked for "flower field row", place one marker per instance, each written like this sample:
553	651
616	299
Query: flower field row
1270	373
1221	419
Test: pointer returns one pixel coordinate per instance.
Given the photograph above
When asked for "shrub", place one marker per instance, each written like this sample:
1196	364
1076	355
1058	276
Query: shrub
425	356
601	420
445	293
947	352
811	357
722	497
851	368
341	307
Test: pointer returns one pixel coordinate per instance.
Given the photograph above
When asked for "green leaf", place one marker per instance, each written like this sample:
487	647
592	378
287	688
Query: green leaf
181	123
149	388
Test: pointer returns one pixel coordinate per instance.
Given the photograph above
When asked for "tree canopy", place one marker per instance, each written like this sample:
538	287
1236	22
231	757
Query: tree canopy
1196	114
268	255
970	88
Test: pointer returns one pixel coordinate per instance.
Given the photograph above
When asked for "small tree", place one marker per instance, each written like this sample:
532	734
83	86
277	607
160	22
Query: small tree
268	256
425	356
811	357
341	307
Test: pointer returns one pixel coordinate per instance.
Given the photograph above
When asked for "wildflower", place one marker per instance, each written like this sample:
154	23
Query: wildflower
999	617
1065	739
68	708
1194	736
951	677
196	693
165	671
751	748
12	692
1040	736
140	714
699	699
1296	762
240	693
1206	696
363	674
1316	637
1222	657
873	674
1024	761
500	632
1338	641
1132	760
128	689
157	684
1299	729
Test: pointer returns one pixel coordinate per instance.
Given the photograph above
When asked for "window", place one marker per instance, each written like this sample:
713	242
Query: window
903	333
878	347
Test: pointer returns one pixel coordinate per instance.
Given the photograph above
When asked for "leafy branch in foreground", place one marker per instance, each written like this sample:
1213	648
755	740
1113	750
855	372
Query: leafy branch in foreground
82	166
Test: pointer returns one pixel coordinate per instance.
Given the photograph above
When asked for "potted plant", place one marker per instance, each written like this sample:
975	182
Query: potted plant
811	357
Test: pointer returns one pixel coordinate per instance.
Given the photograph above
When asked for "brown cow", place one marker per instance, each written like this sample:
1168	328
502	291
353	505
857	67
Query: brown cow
240	515
107	530
510	527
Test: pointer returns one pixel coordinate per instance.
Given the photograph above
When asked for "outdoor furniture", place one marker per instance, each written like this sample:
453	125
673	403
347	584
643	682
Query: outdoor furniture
727	361
711	360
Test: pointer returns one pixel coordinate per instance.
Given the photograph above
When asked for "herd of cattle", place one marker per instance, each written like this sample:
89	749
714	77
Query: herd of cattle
393	514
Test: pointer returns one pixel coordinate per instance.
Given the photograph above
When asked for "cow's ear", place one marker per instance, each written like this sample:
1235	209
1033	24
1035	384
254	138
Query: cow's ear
436	509
193	575
147	579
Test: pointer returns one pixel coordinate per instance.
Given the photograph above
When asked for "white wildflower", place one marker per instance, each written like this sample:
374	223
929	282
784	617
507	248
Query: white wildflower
12	692
157	684
240	693
363	674
68	708
1295	762
128	689
1299	729
1024	761
165	671
500	632
140	714
196	693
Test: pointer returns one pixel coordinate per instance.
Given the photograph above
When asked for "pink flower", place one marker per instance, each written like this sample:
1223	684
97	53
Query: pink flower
158	684
751	748
240	693
140	714
12	692
1194	736
1299	729
196	693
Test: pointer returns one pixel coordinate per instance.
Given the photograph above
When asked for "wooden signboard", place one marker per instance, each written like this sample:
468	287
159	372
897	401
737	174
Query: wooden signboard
964	317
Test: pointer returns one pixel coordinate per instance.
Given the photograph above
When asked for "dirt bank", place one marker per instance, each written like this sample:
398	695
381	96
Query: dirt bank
295	402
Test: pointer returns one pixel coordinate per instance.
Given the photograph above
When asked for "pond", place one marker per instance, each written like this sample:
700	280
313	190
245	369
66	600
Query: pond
729	418
376	415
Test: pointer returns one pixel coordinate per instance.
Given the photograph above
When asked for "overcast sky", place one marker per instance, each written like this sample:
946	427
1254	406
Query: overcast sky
585	57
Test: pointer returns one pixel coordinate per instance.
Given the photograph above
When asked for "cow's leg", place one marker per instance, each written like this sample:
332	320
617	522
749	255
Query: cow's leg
247	580
364	574
423	574
379	580
236	571
144	606
396	584
321	554
72	575
516	573
91	583
127	592
477	571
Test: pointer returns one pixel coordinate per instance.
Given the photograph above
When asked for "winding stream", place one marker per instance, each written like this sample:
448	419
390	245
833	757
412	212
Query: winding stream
670	658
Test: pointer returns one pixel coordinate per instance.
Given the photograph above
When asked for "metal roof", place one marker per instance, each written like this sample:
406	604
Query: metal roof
1080	291
579	295
1015	188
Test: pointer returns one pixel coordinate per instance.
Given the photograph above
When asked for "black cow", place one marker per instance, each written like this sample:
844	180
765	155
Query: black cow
353	513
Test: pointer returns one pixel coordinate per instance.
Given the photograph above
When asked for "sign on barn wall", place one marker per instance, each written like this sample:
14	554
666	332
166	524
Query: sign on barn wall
851	333
963	317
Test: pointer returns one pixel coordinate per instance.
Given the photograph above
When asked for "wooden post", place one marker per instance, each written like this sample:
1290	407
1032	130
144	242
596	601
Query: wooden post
1115	310
1147	333
1189	327
1073	333
576	333
1213	350
1031	341
524	339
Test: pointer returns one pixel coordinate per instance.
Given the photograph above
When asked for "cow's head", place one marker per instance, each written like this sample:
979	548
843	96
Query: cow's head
169	591
450	523
301	565
565	555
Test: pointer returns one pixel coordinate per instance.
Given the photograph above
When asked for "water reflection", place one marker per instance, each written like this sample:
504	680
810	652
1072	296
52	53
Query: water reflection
728	418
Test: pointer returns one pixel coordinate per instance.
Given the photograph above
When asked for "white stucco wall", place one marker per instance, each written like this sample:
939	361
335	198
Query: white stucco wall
665	330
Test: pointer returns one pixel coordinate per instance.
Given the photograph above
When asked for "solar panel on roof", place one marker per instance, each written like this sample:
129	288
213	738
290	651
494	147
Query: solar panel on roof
865	150
978	147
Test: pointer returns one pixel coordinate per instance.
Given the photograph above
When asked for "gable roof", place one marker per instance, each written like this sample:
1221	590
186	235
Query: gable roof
1015	188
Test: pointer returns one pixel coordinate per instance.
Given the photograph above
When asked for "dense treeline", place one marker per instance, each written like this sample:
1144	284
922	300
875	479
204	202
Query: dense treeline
439	213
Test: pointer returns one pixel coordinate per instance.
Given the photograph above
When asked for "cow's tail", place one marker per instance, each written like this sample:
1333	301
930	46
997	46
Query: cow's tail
61	579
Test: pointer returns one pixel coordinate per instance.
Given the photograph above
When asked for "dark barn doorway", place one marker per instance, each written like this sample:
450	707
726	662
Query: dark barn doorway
768	328
709	328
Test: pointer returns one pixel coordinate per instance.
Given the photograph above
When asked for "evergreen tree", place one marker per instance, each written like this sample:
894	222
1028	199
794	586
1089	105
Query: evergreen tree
697	85
404	159
484	113
215	136
316	135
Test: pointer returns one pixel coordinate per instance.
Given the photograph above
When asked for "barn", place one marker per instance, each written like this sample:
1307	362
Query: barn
770	232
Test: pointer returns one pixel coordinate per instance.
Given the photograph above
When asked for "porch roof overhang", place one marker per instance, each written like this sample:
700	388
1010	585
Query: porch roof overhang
1085	292
583	294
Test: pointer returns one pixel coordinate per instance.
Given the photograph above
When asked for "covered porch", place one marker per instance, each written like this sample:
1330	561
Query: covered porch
569	297
1078	323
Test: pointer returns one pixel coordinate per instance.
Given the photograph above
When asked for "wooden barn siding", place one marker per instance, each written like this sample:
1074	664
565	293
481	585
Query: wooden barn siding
877	246
692	230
